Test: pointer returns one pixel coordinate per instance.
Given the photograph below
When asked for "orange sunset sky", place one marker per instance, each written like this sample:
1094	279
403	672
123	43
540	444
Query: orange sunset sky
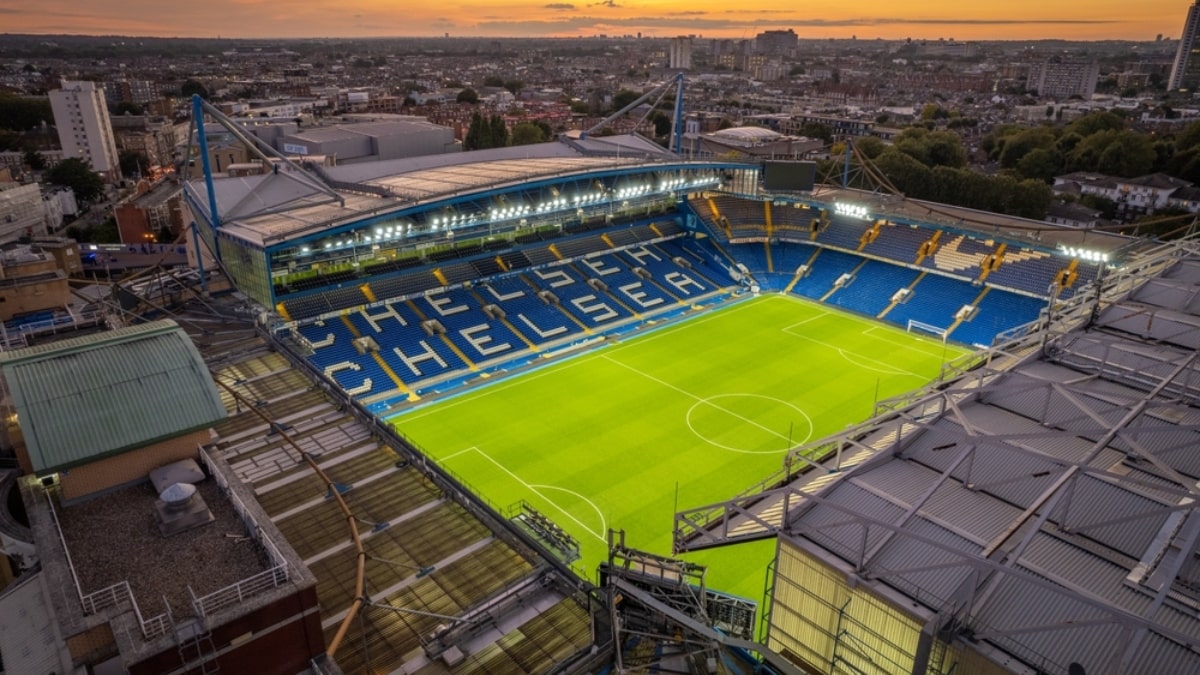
866	19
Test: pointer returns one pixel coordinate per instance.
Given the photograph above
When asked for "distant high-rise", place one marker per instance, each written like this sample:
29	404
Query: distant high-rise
1185	72
1063	78
776	42
680	56
84	129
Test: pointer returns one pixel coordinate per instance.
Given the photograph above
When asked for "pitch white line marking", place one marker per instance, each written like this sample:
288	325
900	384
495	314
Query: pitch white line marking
870	333
708	401
534	490
603	520
697	398
885	368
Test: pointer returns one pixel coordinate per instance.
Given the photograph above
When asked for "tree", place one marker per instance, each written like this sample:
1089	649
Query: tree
817	130
133	162
127	107
35	160
662	123
870	146
945	148
1118	153
906	172
20	113
475	138
105	232
499	132
1040	164
514	86
467	95
527	133
190	87
1099	121
624	98
493	81
77	175
1022	143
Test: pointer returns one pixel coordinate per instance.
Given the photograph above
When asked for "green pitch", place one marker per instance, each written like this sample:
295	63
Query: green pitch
703	409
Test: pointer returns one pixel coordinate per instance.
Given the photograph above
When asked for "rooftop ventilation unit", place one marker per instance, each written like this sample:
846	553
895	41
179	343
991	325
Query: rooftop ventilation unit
180	507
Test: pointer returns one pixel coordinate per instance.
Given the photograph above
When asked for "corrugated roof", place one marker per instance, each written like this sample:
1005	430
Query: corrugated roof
88	397
29	636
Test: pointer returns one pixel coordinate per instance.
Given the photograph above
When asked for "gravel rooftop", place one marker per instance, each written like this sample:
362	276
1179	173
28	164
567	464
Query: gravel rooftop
115	538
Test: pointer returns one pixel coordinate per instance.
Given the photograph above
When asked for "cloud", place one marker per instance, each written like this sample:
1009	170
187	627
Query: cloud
564	24
564	6
612	4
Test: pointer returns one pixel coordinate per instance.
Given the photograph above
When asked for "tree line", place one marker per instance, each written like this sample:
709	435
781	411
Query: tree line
1022	161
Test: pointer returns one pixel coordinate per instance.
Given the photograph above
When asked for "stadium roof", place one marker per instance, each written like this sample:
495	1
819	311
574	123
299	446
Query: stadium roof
1044	501
981	223
272	208
88	397
382	128
747	134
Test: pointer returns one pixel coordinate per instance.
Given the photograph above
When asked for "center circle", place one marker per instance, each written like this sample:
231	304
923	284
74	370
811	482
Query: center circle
727	405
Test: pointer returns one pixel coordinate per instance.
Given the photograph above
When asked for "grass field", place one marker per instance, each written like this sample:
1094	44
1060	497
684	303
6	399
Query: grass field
702	408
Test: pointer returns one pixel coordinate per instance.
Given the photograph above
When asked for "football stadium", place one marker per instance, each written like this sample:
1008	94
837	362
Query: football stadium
594	406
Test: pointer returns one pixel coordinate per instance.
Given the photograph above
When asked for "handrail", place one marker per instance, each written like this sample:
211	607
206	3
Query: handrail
239	591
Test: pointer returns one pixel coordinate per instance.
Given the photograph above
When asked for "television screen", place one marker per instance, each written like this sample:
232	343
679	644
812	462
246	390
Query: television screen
791	176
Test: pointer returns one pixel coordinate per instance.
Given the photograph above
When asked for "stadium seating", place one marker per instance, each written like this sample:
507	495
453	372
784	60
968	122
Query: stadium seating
789	219
478	337
626	288
409	351
340	359
843	232
1028	271
960	256
405	284
536	320
898	242
591	307
998	311
679	282
872	288
825	270
934	301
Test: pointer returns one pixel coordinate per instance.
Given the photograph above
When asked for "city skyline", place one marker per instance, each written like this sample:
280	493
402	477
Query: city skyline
871	19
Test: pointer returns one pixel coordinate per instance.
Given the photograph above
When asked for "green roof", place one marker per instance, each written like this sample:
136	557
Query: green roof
88	397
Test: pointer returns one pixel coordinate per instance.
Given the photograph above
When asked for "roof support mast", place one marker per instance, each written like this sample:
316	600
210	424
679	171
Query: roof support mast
253	144
656	93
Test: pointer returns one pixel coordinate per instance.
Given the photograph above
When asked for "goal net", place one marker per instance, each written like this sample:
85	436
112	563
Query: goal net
927	329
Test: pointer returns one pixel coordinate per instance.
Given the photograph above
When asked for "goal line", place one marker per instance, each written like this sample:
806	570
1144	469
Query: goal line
915	326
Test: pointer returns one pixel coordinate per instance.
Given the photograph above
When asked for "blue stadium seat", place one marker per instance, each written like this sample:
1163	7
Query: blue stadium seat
873	287
934	301
825	270
998	311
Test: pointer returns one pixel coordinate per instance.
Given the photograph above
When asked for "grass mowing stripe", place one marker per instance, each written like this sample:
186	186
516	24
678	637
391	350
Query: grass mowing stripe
598	440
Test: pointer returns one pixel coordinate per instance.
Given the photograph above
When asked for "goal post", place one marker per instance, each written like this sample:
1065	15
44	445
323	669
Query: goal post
919	327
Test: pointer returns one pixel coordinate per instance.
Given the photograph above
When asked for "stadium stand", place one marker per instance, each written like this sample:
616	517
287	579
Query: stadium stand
960	256
843	233
872	288
472	334
934	301
824	271
536	319
588	305
635	293
898	242
791	220
999	311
